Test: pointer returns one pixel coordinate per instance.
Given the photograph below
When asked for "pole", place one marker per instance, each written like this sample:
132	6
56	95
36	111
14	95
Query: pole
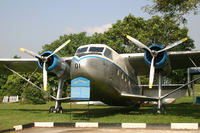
193	93
188	80
159	89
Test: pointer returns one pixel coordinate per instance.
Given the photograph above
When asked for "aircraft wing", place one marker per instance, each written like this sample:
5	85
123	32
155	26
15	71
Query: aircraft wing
139	97
19	65
23	64
136	60
180	60
177	60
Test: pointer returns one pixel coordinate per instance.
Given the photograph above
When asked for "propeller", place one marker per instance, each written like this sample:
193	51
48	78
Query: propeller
59	48
154	54
31	53
44	59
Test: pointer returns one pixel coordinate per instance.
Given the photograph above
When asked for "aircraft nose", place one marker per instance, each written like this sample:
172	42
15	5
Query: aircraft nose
89	67
78	68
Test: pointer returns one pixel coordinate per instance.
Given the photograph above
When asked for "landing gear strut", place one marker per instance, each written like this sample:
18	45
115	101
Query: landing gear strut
57	108
160	108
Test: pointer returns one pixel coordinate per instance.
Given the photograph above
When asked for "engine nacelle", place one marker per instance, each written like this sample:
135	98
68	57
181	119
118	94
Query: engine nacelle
159	60
56	65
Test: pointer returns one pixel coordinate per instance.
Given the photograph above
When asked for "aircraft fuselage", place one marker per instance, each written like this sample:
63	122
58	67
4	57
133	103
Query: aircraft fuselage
109	75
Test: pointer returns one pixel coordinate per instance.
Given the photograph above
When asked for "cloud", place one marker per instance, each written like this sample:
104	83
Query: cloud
71	30
98	29
89	30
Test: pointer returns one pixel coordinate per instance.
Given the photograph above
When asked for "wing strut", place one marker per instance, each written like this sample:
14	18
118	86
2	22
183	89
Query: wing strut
30	82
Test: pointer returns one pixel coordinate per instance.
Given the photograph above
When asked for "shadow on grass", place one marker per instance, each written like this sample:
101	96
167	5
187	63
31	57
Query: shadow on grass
97	111
103	112
182	110
25	110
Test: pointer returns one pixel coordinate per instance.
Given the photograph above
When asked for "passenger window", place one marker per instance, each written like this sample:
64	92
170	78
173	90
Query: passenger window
118	72
108	53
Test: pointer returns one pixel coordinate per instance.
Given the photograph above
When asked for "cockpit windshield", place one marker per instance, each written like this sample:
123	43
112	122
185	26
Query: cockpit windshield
82	50
89	50
96	49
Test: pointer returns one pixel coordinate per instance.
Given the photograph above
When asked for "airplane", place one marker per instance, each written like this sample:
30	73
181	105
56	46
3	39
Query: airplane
114	77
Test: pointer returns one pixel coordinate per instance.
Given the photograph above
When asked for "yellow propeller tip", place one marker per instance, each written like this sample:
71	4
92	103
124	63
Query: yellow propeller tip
22	49
150	85
45	87
184	39
129	37
68	41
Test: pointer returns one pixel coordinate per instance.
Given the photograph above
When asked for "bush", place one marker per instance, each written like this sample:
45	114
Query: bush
32	95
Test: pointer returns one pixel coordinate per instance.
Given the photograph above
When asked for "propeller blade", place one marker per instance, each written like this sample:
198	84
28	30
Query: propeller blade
44	76
59	48
152	71
173	44
138	43
31	53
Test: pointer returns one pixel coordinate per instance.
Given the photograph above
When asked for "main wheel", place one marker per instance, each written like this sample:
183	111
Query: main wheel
51	109
155	109
59	110
163	110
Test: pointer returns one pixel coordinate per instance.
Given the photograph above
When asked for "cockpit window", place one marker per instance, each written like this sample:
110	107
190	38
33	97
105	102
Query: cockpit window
108	53
81	50
96	49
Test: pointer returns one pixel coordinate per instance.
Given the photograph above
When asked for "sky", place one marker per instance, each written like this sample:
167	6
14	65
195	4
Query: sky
31	24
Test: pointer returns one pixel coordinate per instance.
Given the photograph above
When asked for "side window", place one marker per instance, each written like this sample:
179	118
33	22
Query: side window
108	53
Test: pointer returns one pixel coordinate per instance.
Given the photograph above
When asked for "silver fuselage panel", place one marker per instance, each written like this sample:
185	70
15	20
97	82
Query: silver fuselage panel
108	78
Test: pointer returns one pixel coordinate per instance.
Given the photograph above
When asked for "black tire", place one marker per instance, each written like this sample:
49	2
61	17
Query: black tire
163	110
51	109
155	109
59	110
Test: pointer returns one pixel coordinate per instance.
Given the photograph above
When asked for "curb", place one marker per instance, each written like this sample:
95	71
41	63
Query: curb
174	126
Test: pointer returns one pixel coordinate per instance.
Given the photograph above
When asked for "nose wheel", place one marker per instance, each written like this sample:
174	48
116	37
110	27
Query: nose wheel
52	109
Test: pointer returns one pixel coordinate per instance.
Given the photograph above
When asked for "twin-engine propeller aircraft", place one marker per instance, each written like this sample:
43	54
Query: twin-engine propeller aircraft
113	77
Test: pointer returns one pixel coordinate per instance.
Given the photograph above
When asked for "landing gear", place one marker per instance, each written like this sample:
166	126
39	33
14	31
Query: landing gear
57	108
52	109
162	110
155	109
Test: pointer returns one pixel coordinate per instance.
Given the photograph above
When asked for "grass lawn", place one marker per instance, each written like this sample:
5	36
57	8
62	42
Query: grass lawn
16	113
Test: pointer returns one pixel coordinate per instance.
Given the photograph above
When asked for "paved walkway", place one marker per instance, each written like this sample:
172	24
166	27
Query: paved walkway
100	130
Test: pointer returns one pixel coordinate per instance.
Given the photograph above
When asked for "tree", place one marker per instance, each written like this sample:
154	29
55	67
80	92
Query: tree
157	30
31	94
174	8
76	41
3	79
